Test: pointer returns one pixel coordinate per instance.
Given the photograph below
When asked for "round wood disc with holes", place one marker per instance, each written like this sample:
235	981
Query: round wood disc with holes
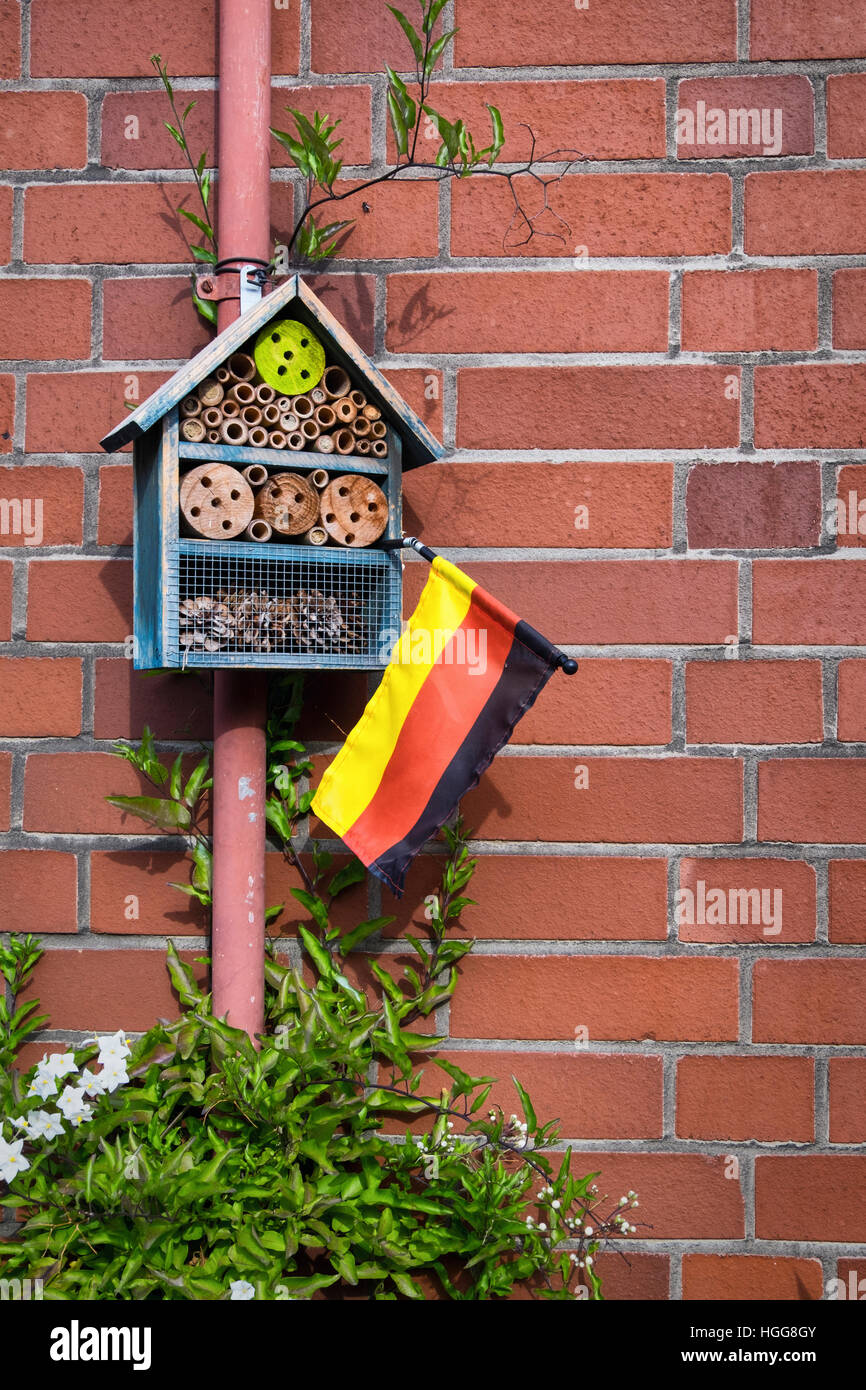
216	501
353	509
289	503
289	357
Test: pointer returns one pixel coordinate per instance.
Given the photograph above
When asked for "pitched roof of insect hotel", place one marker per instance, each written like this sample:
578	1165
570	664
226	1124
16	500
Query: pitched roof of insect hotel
293	301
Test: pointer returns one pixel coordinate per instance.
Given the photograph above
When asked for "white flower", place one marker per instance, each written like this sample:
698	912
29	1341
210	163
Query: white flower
589	1230
91	1084
241	1291
50	1126
43	1085
623	1201
589	1259
542	1226
78	1116
12	1161
25	1121
631	1192
57	1064
635	1203
113	1074
556	1204
71	1102
114	1047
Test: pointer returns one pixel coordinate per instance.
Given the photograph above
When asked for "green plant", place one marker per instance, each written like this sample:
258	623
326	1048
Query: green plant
287	1170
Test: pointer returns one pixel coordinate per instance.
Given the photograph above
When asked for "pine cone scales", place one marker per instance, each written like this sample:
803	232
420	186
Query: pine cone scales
206	623
309	620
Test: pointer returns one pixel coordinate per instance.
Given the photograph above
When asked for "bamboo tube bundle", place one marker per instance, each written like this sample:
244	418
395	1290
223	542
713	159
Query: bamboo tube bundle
358	399
284	402
258	530
212	417
224	377
319	478
303	407
379	448
310	430
242	366
265	394
193	429
258	437
190	405
289	503
318	395
209	391
216	501
324	417
361	427
271	415
277	440
362	446
353	510
345	441
251	415
234	432
317	535
335	382
243	393
371	412
324	444
295	440
378	429
289	421
230	408
256	475
345	410
213	436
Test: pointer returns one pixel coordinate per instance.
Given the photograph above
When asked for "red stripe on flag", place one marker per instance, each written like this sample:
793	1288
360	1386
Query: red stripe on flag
445	709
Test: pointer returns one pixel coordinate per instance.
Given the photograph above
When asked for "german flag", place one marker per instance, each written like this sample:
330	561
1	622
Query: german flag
461	675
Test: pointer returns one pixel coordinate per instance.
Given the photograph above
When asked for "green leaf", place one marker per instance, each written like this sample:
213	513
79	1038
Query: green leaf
316	951
314	905
414	39
154	810
174	779
398	124
197	222
498	132
360	933
205	307
437	49
198	778
528	1112
182	978
345	877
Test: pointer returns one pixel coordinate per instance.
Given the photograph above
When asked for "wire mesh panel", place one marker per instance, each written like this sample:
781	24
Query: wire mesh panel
237	604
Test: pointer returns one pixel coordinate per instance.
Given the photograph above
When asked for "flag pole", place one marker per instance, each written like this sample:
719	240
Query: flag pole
532	638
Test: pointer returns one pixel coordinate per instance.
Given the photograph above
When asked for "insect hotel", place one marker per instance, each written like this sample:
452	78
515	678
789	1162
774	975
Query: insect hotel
268	475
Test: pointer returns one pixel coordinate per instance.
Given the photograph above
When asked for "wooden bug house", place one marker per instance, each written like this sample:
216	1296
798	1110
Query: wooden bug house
268	475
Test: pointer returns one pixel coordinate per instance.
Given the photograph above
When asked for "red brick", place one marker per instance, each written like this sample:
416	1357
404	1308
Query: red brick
621	505
754	702
5	600
97	40
45	319
114	223
607	601
635	31
795	881
809	602
849	308
79	601
403	220
151	318
638	1277
421	388
333	703
341	44
611	119
818	1197
69	412
43	130
605	214
590	1095
614	702
822	800
61	492
753	311
847	1100
39	696
39	886
852	701
682	1196
647	407
751	1278
743	1098
154	148
796	29
806	212
548	898
140	882
103	990
613	997
174	706
746	506
545	311
5	224
65	793
115	505
848	901
10	41
846	115
7	410
5	789
791	96
809	1001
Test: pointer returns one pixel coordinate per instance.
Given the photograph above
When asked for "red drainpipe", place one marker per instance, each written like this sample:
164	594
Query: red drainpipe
238	940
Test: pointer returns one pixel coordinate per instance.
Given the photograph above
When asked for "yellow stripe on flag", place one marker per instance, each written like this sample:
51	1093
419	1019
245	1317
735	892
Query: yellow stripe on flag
350	783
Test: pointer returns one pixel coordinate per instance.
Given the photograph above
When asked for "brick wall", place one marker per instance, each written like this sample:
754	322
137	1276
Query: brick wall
689	365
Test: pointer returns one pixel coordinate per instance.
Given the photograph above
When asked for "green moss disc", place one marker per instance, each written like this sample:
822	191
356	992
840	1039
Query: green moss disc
289	357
